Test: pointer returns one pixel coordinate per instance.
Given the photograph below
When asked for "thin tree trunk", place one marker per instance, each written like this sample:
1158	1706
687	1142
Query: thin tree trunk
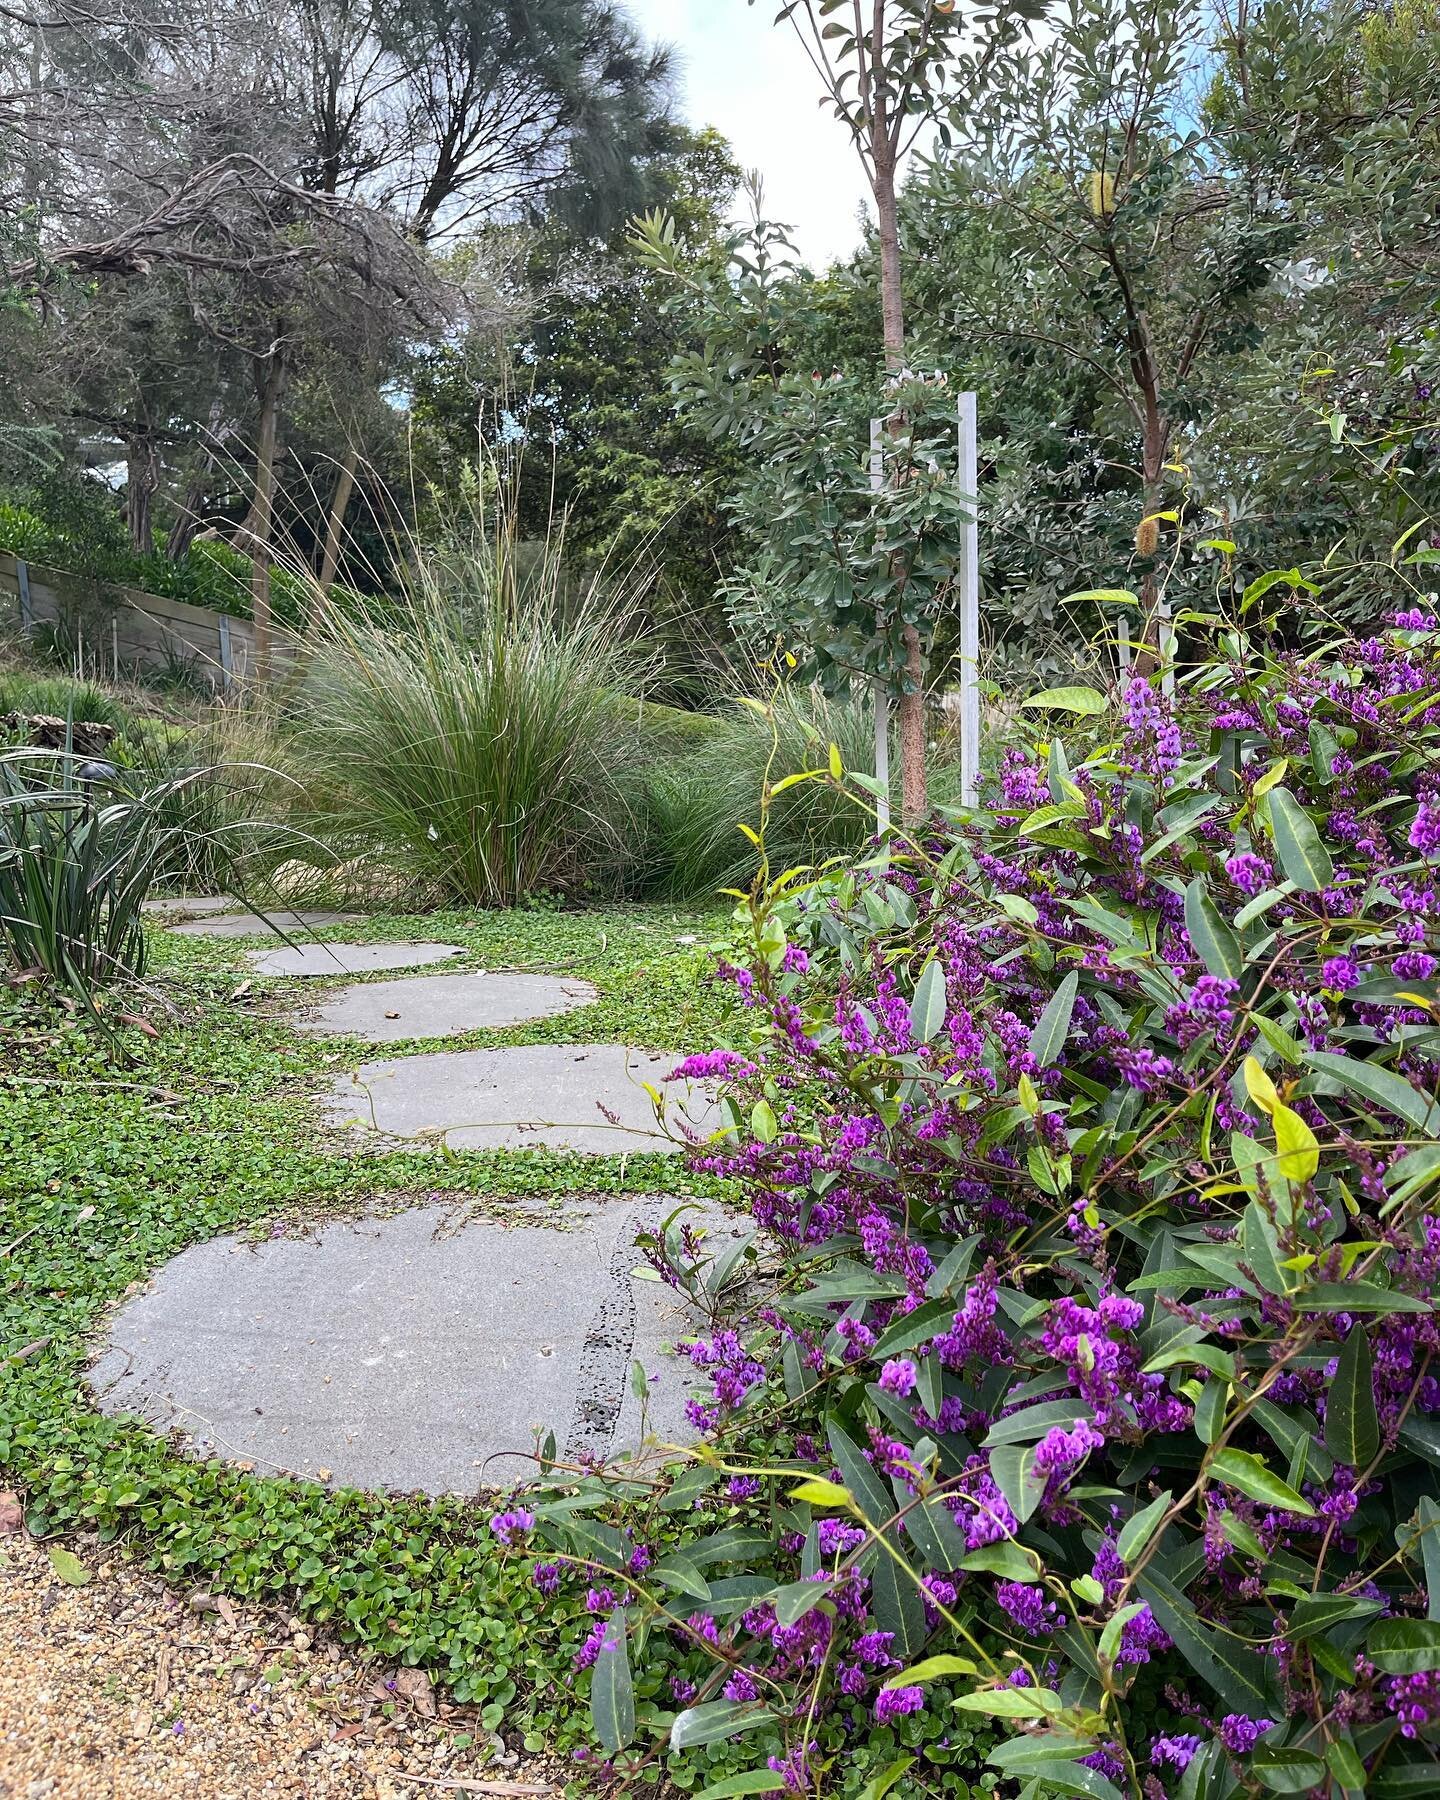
910	711
187	519
142	480
335	524
262	512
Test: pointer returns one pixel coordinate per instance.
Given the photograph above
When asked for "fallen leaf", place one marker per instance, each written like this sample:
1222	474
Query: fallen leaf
140	1023
324	1474
415	1686
347	1732
68	1566
12	1514
225	1610
203	1602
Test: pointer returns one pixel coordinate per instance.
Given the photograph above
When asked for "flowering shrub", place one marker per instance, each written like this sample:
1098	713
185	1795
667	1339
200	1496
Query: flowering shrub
1102	1398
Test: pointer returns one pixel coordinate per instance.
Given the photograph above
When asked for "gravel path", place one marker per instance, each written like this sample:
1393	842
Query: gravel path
125	1688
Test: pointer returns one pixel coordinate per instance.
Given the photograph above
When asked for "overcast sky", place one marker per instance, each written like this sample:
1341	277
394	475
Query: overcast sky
751	80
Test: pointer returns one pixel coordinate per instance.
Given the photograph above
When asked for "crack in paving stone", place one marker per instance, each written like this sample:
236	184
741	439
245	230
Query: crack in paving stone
607	1353
399	1353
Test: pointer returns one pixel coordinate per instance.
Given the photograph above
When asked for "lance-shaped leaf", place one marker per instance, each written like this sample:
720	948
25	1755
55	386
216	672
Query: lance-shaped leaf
1217	944
1240	1469
1381	1087
1047	1040
1352	1426
927	1007
1240	1677
1302	855
612	1692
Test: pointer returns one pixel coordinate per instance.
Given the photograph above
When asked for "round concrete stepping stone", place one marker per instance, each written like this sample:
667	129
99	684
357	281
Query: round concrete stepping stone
564	1096
409	1353
444	1005
347	959
252	924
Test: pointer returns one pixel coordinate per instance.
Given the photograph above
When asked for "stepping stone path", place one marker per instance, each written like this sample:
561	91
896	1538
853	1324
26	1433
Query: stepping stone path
347	959
252	924
193	906
411	1352
443	1005
567	1097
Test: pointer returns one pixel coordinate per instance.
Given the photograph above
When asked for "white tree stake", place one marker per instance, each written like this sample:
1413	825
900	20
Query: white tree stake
969	476
882	691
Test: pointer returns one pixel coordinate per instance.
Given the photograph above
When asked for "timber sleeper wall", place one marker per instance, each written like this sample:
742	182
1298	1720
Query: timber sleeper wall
119	629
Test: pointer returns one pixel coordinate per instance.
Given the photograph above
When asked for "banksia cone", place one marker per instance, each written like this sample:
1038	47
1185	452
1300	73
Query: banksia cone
1147	536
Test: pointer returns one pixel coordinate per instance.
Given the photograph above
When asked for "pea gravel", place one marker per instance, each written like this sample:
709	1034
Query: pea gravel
124	1687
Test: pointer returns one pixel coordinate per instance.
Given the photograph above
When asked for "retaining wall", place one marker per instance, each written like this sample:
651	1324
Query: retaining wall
116	629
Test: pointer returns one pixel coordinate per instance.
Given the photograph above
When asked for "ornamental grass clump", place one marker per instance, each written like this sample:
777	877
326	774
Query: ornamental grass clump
1101	1404
472	742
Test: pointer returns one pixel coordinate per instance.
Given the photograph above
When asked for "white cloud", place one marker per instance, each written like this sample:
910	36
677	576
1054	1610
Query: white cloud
752	81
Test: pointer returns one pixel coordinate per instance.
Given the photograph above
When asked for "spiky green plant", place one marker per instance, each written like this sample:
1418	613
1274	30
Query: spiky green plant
78	856
471	739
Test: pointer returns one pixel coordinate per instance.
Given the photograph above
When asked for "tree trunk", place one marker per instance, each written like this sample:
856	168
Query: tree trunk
142	481
262	511
1147	540
910	712
335	524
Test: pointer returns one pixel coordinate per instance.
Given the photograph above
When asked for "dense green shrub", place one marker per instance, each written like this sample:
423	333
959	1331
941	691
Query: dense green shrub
211	573
1103	1385
700	800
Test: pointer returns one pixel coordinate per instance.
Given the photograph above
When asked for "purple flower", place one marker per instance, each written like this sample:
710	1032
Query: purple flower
1240	1734
894	1703
1179	1751
1340	973
741	1687
1425	832
1029	1608
507	1526
546	1577
898	1377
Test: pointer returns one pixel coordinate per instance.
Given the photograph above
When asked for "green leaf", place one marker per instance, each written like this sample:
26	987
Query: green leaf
1012	1703
1007	1559
1345	1765
793	1601
1239	1676
1318	1612
934	1668
715	1721
1240	1469
1362	1297
895	1594
754	1781
1287	1770
612	1692
1404	1646
1013	1467
1352	1426
875	1504
1047	1040
1260	1249
1138	1530
1381	1087
1031	1423
1217	944
762	1121
1115	1629
679	1572
1428	1520
68	1566
927	1007
1083	700
880	1785
1018	907
1302	855
822	1492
